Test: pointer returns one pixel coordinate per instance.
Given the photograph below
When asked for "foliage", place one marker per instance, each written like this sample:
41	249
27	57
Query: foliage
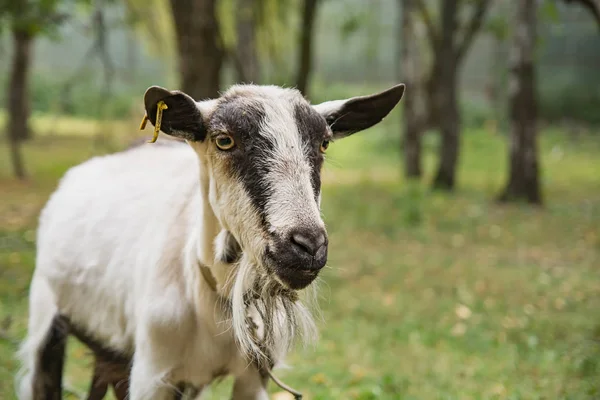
561	101
569	101
153	21
470	300
36	16
351	24
83	100
497	26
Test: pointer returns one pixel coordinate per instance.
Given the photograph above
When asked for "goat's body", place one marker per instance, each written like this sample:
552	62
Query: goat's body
121	240
117	250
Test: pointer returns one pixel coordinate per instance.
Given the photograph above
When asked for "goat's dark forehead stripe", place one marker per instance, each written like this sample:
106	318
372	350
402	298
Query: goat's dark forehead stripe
243	117
311	125
312	128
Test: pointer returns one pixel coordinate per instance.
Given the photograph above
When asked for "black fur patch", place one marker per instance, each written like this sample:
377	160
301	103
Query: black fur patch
47	382
104	352
112	367
313	130
242	118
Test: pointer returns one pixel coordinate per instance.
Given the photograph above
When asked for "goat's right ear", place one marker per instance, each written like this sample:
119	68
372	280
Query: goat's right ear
182	117
349	116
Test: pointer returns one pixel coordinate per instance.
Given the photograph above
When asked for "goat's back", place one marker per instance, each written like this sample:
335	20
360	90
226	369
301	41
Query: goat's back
112	230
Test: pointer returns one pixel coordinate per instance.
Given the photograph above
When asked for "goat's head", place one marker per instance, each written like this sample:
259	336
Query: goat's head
262	148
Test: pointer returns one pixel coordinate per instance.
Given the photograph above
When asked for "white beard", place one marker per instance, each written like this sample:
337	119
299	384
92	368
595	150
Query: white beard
267	317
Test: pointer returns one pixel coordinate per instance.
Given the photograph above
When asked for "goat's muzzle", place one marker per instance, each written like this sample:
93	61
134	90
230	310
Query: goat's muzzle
298	257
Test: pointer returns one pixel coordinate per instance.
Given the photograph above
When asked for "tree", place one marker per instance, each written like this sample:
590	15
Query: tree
409	75
449	46
152	22
305	45
100	48
199	47
246	52
26	19
18	98
523	182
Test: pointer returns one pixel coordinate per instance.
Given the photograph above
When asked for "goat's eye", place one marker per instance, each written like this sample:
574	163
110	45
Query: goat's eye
224	142
324	146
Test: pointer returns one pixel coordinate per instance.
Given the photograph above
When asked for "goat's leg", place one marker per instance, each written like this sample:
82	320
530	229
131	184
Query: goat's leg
99	387
165	326
151	370
110	370
121	389
148	384
251	385
48	375
43	351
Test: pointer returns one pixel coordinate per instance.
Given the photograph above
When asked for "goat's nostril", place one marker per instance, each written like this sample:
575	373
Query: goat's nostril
308	241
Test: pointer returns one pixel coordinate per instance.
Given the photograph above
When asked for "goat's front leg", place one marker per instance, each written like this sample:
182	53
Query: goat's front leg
148	381
250	385
160	346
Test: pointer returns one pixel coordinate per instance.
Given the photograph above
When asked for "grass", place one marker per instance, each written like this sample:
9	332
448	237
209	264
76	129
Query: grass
427	295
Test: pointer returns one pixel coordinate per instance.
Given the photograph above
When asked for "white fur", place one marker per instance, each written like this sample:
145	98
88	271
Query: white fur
293	201
104	240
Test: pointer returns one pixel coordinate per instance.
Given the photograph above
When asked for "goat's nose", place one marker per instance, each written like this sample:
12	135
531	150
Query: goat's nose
309	240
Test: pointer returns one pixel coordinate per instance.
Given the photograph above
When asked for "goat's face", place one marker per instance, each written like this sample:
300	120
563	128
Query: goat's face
262	149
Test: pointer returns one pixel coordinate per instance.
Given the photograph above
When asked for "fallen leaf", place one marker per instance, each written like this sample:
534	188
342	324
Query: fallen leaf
463	312
388	300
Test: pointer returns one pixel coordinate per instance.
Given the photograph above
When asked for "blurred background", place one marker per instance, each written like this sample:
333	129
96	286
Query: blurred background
464	229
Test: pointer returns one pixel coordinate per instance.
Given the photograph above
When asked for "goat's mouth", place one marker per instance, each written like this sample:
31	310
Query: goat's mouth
297	279
293	270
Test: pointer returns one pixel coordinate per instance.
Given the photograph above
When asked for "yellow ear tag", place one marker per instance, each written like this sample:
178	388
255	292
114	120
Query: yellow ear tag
144	121
159	110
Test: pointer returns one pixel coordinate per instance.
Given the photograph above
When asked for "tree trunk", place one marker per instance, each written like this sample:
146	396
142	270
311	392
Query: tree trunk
17	159
450	132
523	182
248	68
408	57
18	98
432	88
446	99
306	39
199	47
18	86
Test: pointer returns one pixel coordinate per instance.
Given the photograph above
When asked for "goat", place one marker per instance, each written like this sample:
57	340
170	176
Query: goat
134	249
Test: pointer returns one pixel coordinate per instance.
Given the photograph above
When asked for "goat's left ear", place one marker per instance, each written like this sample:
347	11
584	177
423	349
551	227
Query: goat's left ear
182	117
349	116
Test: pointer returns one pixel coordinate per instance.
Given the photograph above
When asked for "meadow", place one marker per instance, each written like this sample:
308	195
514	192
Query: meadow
427	295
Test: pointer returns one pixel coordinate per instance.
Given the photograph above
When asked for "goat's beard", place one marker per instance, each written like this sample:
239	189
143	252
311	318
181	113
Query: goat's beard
267	317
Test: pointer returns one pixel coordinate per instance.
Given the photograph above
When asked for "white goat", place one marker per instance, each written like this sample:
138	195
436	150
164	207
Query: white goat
130	243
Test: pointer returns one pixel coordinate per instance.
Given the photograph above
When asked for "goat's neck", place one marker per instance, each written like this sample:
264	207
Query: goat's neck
209	223
209	229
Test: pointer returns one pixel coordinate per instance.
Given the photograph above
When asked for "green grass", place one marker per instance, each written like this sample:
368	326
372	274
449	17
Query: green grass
427	295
